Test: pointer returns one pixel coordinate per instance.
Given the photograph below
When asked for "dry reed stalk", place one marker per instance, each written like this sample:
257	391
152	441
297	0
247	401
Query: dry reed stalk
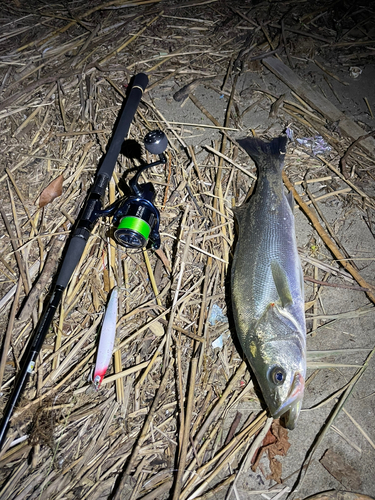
23	251
128	41
364	434
127	371
254	447
235	445
332	193
347	181
348	440
8	334
226	158
294	108
17	254
177	291
200	454
67	363
145	429
204	125
22	162
21	198
180	395
62	382
203	312
218	183
184	442
218	407
152	277
194	247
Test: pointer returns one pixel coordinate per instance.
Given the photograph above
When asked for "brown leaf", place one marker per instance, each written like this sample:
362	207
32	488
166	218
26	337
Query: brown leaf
275	443
159	252
269	439
52	191
276	470
281	445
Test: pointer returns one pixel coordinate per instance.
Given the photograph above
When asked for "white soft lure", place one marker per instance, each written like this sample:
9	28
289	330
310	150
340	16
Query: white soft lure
107	339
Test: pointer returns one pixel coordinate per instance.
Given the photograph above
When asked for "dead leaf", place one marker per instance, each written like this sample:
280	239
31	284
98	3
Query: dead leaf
282	445
159	252
276	470
341	470
52	191
275	443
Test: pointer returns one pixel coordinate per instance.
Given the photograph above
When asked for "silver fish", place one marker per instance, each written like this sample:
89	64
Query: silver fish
267	285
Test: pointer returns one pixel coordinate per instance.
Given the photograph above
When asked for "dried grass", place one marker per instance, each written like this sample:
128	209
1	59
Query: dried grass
157	424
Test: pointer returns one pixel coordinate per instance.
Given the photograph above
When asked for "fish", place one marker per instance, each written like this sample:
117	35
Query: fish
267	285
106	340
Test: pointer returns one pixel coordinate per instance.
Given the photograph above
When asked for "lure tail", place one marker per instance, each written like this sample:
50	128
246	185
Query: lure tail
107	339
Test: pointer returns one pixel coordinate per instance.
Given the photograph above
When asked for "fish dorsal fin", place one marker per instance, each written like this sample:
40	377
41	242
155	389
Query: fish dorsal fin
290	199
281	283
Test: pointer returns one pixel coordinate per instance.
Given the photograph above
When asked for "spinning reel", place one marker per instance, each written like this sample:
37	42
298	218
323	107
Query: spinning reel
135	217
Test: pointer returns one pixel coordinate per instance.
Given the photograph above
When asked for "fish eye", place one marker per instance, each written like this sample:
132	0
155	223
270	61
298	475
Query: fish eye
277	375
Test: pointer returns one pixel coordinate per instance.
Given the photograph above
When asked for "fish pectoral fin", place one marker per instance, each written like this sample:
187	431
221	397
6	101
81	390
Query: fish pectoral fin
281	283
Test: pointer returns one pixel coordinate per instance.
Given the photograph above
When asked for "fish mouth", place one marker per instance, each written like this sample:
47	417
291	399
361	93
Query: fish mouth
291	407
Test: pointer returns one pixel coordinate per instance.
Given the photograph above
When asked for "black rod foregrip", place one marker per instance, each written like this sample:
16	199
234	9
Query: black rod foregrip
72	256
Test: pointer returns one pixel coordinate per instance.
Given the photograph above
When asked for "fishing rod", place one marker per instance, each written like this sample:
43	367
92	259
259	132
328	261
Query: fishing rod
135	217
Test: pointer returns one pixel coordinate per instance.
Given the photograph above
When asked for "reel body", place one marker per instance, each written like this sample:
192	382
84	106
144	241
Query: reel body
136	219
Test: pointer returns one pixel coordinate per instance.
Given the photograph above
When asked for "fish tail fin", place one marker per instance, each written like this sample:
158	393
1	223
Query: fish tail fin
258	149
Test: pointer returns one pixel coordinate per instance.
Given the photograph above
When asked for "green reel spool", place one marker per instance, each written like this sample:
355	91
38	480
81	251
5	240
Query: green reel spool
132	232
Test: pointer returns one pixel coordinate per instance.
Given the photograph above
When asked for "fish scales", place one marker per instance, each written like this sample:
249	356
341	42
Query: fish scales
267	285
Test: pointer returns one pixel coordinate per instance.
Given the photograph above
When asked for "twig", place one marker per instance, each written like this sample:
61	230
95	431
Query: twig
348	151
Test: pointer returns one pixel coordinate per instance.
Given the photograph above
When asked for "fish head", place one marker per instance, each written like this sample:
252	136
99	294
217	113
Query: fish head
278	358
